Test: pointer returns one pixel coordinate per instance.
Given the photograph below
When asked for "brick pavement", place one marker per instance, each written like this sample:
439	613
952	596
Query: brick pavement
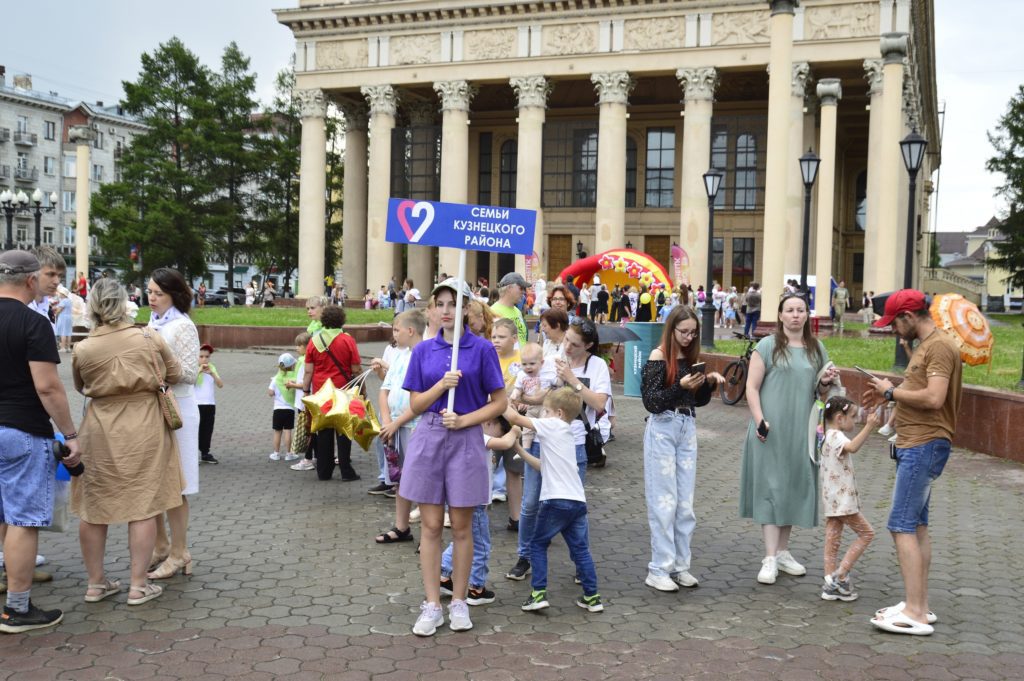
289	584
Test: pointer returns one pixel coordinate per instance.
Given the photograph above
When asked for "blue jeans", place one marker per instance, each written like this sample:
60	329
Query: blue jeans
27	470
481	550
531	497
570	519
498	483
916	469
751	322
670	471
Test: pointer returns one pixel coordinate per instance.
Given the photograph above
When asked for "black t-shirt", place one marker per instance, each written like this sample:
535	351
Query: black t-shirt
25	336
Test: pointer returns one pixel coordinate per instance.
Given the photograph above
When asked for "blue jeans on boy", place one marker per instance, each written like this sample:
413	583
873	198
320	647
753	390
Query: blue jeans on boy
531	496
569	518
670	471
498	484
916	469
750	323
481	549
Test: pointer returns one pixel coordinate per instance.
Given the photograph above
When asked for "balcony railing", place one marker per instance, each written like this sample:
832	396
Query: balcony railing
5	134
118	152
5	172
27	138
26	174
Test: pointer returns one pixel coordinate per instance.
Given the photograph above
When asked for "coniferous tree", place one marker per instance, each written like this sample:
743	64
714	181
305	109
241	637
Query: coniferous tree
1008	141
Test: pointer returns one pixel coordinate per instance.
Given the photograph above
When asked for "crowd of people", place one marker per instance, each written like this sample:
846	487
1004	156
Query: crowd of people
534	405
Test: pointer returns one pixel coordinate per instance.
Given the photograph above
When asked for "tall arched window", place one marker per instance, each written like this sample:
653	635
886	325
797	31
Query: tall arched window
860	217
746	172
509	161
584	178
630	172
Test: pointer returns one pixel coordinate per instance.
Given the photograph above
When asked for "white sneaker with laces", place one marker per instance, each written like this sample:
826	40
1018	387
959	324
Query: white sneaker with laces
661	582
414	515
785	562
304	465
769	571
893	438
290	457
885	431
431	617
458	616
274	456
684	578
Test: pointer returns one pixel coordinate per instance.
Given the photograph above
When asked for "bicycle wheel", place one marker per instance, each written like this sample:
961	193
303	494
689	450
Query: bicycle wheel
735	384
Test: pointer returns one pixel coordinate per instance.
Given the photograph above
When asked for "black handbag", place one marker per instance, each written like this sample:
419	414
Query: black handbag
594	445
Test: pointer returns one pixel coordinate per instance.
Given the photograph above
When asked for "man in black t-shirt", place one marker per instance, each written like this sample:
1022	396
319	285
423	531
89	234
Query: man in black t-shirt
31	393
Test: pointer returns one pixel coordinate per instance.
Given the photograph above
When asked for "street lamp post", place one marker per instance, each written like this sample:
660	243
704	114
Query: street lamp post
809	163
912	149
37	212
580	253
712	182
12	204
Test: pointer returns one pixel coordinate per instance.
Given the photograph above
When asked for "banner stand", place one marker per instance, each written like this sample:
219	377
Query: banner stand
458	323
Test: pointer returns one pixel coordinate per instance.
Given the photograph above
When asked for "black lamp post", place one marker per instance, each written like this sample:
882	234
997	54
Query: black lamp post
12	204
712	182
580	253
912	149
629	245
809	163
37	212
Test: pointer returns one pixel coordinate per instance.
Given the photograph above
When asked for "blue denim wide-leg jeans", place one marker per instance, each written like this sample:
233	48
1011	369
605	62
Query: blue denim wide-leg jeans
481	549
531	496
570	519
670	471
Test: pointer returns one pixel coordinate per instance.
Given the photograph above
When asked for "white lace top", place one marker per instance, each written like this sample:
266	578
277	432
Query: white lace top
182	338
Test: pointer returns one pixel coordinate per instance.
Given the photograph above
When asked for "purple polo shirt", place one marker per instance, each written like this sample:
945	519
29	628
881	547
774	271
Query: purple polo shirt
478	360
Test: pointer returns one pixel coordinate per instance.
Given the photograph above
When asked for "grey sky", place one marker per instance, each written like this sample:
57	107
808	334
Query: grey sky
86	49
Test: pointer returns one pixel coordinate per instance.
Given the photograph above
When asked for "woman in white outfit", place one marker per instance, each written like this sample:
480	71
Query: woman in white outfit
170	299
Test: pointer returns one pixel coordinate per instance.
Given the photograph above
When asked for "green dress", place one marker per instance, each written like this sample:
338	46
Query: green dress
778	481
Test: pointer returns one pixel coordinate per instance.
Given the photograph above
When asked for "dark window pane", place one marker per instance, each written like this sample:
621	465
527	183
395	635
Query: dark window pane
630	172
509	159
484	169
659	176
742	262
717	258
569	165
861	215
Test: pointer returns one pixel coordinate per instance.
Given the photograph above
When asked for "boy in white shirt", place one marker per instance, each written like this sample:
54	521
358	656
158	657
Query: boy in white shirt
207	382
563	504
284	407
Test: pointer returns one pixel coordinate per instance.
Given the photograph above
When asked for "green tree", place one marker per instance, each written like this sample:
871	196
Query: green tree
1008	142
162	202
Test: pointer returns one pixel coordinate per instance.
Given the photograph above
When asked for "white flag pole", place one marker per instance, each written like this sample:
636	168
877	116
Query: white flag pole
458	324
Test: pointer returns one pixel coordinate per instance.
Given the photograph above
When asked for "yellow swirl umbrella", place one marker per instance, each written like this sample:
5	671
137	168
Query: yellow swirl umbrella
964	321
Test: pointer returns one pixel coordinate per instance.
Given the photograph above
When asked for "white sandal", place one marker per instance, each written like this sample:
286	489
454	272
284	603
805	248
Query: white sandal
108	587
899	623
149	591
893	609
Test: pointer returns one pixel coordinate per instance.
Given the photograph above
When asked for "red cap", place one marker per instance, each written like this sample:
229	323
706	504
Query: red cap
904	300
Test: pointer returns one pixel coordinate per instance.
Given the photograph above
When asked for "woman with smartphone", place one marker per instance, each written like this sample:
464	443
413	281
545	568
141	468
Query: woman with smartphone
674	384
778	485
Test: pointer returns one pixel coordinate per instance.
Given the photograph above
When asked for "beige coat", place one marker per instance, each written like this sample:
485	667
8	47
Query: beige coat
132	468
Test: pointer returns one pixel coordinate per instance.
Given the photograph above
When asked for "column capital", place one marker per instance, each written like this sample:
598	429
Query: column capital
894	47
783	6
532	91
421	112
455	94
81	134
382	99
830	91
873	74
801	77
312	103
698	83
355	113
612	87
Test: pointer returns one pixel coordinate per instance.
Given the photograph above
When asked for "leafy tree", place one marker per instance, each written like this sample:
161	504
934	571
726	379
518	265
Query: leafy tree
1008	141
163	201
335	194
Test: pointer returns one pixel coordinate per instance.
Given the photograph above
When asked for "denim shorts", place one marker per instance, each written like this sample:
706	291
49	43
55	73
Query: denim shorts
27	470
916	469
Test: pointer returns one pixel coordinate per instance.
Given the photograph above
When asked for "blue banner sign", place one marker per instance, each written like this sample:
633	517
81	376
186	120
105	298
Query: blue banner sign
497	229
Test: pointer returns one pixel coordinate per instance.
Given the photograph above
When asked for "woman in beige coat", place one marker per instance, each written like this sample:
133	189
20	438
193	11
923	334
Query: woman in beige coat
132	469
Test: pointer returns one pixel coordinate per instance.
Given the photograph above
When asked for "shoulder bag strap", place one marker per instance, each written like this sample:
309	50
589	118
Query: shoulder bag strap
346	374
152	357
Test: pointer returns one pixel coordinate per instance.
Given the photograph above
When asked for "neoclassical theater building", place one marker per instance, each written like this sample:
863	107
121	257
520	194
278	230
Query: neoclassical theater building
604	115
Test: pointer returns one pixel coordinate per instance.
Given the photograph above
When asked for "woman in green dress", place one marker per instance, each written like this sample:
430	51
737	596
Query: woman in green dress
778	481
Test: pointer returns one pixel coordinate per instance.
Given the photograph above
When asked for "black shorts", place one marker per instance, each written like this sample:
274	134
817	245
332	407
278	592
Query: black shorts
284	419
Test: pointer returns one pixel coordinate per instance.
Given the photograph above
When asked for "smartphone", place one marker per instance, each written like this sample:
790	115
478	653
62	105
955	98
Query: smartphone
698	368
762	428
864	371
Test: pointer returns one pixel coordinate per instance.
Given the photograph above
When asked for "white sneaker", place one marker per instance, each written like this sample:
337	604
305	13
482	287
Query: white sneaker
304	465
447	520
769	571
684	578
429	620
885	430
290	457
274	456
458	616
661	582
893	438
40	559
785	562
414	515
498	496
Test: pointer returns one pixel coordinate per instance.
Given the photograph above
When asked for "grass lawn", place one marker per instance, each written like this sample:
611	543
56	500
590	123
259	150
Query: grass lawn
277	316
877	352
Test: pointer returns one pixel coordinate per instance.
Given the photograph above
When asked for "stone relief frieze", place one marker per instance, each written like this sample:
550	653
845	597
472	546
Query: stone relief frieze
843	21
483	45
415	49
654	34
740	28
341	54
570	39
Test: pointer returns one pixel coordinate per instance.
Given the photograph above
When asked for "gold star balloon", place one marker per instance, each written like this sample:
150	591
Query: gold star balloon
320	404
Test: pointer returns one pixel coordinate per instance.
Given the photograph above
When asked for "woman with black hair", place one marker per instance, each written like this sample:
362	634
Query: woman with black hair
170	299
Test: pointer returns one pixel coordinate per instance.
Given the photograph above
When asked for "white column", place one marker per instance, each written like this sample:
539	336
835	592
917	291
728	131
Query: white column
889	271
380	254
455	96
532	95
610	214
420	259
698	99
312	191
829	93
82	136
795	184
873	73
353	256
776	164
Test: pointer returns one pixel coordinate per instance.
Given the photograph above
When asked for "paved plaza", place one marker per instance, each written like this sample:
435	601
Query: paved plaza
289	584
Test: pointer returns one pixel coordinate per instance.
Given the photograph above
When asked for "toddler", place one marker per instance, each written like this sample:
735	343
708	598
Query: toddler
839	496
284	406
207	382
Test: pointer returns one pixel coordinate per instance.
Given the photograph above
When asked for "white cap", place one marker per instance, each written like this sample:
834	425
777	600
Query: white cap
286	360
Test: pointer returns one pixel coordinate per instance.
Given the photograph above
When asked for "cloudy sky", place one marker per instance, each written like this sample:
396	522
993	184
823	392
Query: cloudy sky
85	50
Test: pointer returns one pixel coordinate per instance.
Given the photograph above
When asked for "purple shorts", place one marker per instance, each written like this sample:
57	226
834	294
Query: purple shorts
445	466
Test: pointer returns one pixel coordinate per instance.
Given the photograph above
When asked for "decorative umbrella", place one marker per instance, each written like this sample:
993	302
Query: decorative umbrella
613	333
964	321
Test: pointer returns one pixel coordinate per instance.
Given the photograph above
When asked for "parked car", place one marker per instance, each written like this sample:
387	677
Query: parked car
220	296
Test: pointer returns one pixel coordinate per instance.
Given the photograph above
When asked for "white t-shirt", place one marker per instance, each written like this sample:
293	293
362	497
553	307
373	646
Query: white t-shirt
561	477
299	393
398	398
279	402
529	386
204	391
596	370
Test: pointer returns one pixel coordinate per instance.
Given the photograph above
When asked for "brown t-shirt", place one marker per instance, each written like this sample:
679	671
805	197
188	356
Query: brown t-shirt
937	355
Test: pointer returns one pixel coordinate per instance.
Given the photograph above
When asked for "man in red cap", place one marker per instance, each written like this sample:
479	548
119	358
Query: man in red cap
927	403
